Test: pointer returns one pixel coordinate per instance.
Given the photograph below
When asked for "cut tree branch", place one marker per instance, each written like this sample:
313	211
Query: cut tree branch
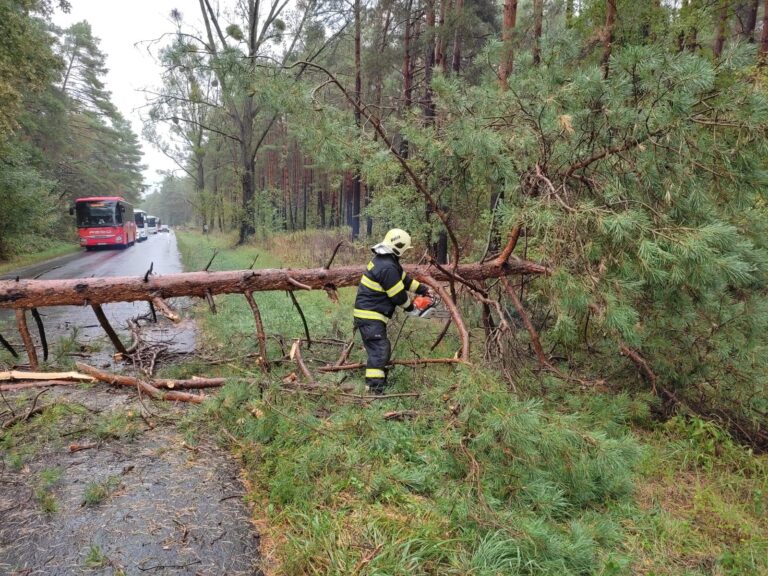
26	337
260	335
149	389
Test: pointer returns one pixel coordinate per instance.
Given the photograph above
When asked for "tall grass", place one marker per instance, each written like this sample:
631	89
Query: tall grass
472	479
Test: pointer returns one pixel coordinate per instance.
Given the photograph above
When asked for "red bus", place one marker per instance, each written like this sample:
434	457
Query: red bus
104	221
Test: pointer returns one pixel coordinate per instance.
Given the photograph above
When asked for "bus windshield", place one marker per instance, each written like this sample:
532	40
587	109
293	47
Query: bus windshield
151	221
139	218
96	213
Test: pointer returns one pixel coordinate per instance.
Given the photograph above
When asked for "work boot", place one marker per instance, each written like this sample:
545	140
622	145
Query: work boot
376	386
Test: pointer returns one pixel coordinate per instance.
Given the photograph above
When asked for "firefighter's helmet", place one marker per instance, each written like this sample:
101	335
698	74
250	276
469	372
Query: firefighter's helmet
397	240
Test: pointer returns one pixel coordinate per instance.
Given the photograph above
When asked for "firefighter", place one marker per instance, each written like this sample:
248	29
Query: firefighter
383	287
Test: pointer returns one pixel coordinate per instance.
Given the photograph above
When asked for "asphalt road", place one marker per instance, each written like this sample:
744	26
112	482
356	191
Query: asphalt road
159	250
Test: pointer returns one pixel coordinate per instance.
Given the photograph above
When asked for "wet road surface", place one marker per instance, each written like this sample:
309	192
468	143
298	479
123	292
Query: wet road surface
159	250
170	508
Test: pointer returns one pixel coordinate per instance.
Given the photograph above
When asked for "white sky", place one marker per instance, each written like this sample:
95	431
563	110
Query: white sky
124	27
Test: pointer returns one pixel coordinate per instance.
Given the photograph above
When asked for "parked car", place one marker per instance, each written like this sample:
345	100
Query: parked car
164	228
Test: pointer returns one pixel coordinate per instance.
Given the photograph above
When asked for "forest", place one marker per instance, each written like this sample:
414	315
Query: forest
621	144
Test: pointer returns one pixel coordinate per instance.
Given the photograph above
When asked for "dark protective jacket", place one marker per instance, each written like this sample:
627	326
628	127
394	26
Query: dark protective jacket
383	286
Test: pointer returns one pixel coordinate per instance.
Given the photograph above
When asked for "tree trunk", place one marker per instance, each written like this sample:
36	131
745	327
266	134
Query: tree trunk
507	50
610	22
440	44
457	38
27	294
746	19
407	72
429	62
247	228
407	68
358	95
538	17
321	208
569	13
764	36
722	23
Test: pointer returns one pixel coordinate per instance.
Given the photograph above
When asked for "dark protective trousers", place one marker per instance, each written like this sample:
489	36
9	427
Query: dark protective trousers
374	336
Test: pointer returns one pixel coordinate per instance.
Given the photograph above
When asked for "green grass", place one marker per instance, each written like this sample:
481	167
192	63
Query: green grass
44	496
117	425
481	481
55	249
97	492
95	557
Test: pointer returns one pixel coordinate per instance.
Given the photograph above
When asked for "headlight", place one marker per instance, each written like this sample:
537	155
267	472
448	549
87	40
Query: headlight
119	238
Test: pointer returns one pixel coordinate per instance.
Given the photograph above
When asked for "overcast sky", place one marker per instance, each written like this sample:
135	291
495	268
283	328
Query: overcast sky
124	29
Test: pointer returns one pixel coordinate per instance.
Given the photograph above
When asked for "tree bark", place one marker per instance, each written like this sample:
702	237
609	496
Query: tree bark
457	38
722	23
764	36
440	44
429	62
610	22
355	216
538	17
26	337
507	51
407	68
24	294
746	19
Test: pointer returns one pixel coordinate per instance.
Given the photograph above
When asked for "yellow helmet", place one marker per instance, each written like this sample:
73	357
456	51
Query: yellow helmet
397	240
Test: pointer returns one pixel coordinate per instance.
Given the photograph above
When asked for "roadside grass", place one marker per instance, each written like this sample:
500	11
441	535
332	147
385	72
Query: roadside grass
95	557
478	480
701	503
54	249
97	492
47	480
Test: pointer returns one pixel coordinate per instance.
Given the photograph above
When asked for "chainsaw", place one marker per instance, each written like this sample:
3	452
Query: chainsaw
428	307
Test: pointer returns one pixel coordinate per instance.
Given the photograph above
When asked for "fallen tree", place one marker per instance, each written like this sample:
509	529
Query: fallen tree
22	295
28	294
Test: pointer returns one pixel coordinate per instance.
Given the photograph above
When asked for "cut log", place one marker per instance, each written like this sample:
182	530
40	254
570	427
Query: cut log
21	375
80	291
195	383
147	388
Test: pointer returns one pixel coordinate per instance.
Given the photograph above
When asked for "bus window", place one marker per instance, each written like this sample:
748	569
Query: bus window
92	214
